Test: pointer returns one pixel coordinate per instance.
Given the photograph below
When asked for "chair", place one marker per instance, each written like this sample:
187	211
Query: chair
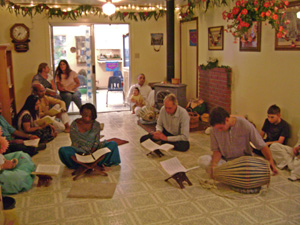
114	84
83	84
118	73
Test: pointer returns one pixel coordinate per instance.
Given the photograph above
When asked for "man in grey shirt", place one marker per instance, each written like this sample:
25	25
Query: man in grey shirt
173	125
230	139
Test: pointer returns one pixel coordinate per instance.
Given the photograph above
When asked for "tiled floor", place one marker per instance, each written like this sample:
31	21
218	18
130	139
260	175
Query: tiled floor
143	197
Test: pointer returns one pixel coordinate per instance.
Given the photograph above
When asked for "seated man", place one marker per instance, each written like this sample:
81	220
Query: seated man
16	144
144	91
43	77
276	129
173	125
287	156
47	103
230	139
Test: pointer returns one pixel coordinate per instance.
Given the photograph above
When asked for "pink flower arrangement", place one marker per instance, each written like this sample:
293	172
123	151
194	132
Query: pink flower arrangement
3	143
244	13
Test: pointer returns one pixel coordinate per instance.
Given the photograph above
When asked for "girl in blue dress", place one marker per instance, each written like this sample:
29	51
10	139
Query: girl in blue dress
85	137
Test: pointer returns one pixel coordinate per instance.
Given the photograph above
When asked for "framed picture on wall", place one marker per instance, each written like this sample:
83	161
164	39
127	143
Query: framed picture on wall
251	40
216	38
292	39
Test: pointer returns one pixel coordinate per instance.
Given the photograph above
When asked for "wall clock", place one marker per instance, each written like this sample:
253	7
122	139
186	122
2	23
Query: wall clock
19	33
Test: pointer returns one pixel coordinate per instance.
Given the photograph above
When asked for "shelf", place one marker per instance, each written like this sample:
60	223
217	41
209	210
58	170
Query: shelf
112	60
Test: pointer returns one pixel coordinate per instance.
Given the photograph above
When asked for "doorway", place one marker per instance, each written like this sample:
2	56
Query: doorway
189	56
111	53
95	52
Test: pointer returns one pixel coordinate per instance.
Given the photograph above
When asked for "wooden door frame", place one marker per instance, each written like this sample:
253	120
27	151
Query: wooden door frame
197	51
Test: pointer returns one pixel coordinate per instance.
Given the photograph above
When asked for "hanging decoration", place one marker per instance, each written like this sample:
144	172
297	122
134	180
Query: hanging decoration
244	13
129	13
187	12
82	10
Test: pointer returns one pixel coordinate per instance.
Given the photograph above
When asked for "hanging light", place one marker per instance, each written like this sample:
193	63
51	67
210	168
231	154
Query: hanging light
298	15
109	8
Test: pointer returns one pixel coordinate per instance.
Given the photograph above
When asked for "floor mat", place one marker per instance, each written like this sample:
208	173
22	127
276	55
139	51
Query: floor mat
119	141
95	190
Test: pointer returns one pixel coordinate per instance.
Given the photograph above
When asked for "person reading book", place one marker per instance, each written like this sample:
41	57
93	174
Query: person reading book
173	125
85	138
15	169
67	83
16	137
52	107
25	121
43	77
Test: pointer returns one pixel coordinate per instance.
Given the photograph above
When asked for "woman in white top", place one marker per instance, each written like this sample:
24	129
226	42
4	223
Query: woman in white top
67	84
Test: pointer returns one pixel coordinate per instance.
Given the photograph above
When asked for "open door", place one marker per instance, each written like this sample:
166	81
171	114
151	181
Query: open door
189	56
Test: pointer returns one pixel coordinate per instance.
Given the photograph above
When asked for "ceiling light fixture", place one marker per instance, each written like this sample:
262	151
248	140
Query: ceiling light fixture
109	8
298	15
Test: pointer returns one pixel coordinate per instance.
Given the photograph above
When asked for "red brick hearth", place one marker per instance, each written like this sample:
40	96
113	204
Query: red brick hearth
215	87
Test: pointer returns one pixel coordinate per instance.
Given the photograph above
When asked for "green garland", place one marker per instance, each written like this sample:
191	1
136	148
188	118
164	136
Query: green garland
186	12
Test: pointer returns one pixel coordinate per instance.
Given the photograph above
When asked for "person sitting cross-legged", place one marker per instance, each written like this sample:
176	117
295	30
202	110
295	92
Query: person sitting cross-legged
46	103
286	156
16	137
85	137
173	125
230	138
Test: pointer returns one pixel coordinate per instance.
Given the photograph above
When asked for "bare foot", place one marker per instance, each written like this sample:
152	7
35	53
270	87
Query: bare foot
67	130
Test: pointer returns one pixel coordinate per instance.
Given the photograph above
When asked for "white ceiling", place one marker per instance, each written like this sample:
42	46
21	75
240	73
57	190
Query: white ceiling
100	2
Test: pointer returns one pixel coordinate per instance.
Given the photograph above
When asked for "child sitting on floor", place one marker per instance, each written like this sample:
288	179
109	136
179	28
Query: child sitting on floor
276	129
137	99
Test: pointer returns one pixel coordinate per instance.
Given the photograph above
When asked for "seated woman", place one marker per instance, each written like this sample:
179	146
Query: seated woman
67	83
85	137
15	170
24	121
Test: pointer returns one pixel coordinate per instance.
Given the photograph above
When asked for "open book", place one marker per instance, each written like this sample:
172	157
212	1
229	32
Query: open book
33	142
47	169
173	166
93	157
45	120
53	111
152	146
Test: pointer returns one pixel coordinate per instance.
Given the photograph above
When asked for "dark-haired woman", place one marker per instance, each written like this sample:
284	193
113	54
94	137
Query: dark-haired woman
24	121
67	83
85	137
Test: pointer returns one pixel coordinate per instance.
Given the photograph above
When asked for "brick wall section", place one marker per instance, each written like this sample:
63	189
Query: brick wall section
215	88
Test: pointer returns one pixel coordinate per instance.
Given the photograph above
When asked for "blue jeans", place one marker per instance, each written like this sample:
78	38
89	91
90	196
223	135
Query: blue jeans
68	97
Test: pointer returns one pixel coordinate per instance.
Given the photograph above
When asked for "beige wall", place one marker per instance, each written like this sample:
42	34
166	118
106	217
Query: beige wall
260	79
143	58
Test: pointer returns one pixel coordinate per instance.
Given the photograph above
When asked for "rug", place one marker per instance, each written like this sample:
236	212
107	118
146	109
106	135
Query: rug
118	141
95	190
147	127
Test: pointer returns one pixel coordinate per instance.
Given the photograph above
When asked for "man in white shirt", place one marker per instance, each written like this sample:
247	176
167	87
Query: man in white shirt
144	91
173	125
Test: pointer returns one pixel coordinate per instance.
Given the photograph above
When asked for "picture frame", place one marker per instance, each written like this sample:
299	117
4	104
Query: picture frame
251	40
292	38
157	39
216	38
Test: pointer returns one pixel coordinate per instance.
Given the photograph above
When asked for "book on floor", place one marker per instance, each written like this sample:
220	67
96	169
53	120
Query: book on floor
152	146
47	169
33	142
173	166
46	120
92	157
